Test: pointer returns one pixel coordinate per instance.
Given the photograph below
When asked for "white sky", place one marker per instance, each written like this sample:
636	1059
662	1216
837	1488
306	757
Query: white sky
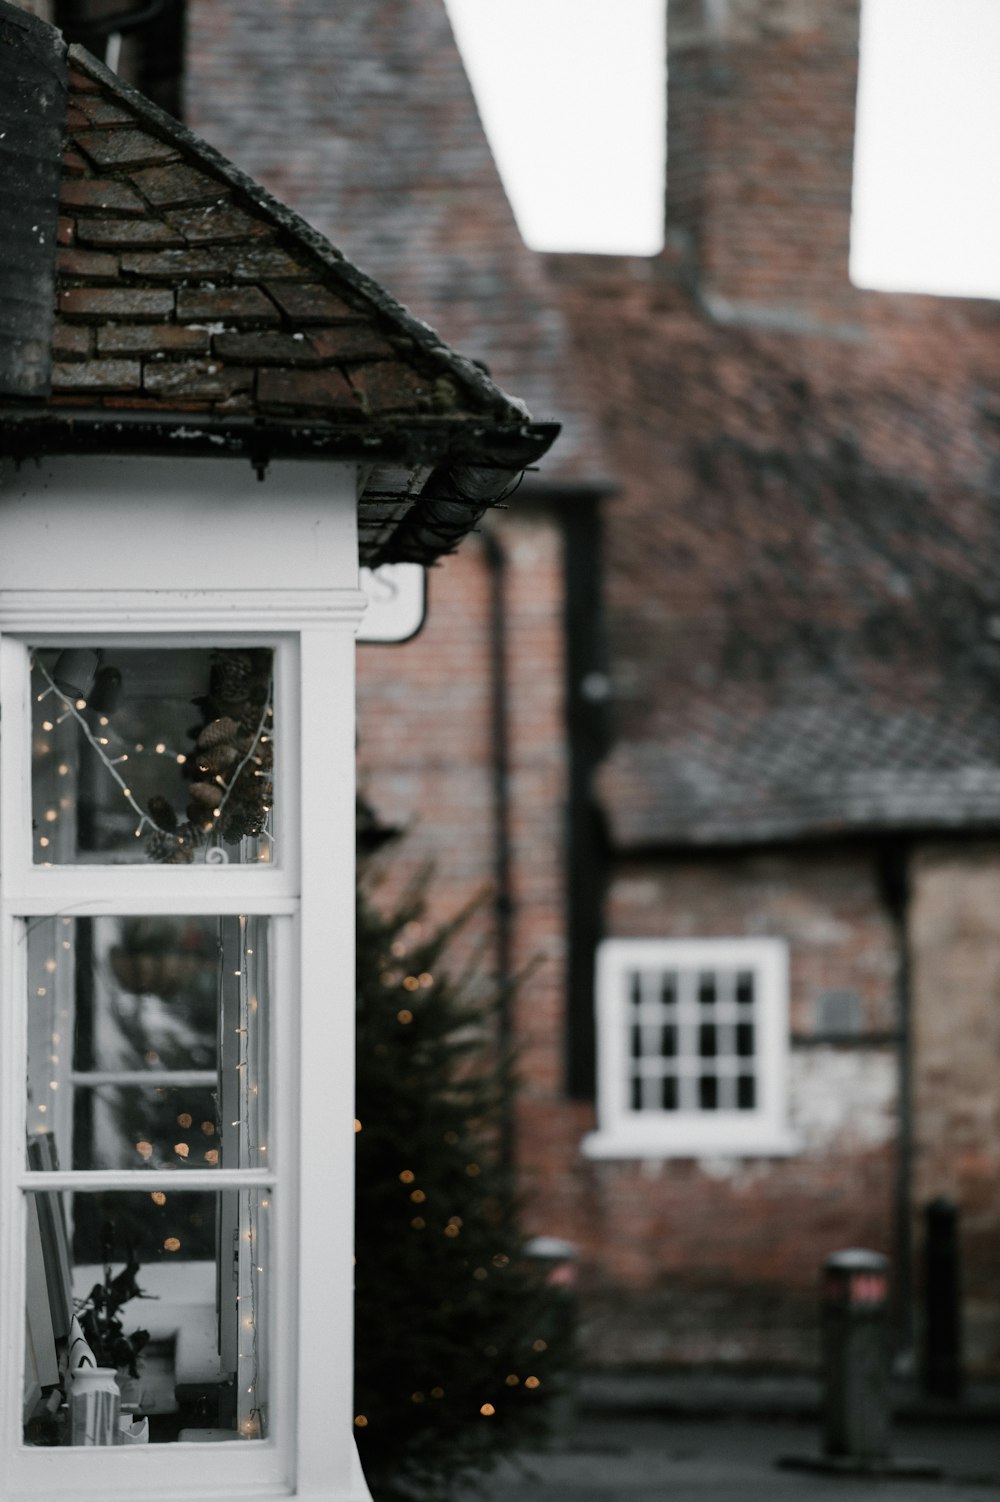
572	96
927	162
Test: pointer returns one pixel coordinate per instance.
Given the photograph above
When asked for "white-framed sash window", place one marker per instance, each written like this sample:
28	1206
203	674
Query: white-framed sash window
692	1048
176	1017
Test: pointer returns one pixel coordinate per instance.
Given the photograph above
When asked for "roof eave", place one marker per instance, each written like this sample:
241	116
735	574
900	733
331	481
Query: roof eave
34	433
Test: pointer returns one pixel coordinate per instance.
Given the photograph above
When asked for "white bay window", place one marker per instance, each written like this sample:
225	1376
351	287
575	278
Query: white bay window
176	891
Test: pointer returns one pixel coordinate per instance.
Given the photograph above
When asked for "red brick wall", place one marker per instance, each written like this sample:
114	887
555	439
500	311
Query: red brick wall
425	743
716	1259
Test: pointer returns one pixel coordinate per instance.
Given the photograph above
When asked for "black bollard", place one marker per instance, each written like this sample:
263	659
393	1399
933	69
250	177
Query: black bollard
942	1366
857	1400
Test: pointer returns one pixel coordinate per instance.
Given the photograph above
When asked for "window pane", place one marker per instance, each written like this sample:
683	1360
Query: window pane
708	1092
707	988
146	1317
746	1092
147	1042
160	755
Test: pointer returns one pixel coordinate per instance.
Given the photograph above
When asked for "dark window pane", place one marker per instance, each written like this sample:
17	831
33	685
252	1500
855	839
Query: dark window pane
744	1039
708	1092
636	1093
746	1092
668	1042
635	987
707	988
744	987
668	988
707	1041
668	1093
636	1033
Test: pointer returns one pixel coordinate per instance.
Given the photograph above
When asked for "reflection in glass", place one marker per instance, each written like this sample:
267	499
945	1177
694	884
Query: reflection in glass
152	754
147	1041
146	1317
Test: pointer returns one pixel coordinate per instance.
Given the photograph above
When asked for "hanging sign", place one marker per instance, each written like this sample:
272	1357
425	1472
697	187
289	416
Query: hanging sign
397	602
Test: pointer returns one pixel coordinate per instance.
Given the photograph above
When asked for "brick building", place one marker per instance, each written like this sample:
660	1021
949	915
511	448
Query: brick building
731	677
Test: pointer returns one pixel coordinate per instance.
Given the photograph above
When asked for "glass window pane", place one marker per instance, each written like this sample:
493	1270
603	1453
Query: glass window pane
708	1092
160	755
147	1317
745	987
147	1042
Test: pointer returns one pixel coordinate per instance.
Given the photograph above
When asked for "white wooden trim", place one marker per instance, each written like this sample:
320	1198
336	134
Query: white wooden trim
128	1179
118	612
50	896
326	1113
93	1078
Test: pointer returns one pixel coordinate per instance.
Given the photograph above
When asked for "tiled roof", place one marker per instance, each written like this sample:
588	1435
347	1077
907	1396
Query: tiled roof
733	775
195	311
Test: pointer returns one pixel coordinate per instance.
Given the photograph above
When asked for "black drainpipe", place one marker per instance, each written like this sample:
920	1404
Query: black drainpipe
588	737
503	901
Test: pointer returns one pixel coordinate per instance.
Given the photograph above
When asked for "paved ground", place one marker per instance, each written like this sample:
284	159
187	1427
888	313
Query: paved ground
617	1459
614	1454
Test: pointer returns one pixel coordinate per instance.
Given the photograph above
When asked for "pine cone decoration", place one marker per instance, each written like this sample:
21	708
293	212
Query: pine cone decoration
218	733
169	849
207	794
231	677
218	759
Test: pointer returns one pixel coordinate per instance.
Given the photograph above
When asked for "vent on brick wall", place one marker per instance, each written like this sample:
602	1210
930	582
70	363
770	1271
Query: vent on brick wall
837	1014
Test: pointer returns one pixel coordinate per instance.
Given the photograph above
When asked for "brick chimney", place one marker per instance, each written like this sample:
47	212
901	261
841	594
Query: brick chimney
761	100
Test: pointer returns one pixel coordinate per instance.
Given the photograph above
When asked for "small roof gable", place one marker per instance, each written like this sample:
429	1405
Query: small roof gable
195	313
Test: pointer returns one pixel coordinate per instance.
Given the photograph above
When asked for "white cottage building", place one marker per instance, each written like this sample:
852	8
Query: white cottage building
208	419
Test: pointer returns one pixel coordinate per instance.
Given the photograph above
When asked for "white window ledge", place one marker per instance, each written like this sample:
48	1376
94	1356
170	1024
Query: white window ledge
697	1144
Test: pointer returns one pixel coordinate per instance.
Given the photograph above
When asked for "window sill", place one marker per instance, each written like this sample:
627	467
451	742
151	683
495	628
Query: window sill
757	1142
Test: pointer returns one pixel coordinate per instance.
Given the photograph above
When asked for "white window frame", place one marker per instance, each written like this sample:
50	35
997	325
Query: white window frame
308	893
689	1131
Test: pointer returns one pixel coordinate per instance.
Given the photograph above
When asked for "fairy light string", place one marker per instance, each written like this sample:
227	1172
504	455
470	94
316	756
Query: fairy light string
255	744
71	707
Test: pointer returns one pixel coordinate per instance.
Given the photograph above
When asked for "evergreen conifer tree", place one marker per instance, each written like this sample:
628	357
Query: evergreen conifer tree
460	1342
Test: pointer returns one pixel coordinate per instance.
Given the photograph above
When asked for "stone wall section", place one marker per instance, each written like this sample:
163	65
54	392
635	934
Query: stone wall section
955	953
